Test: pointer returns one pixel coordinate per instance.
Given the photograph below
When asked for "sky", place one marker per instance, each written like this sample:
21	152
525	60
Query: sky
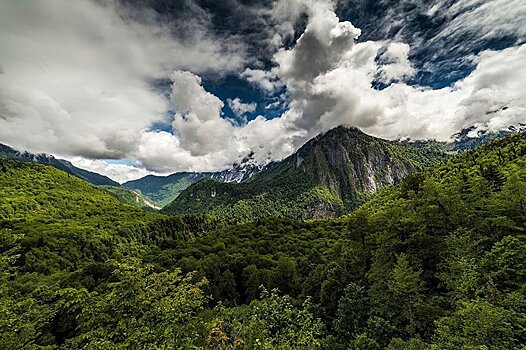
130	88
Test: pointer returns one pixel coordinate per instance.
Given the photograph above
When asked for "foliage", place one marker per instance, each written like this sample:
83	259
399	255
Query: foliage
434	262
139	308
132	197
272	322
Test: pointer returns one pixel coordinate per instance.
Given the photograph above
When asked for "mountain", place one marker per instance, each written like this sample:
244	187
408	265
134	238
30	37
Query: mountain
125	195
164	189
64	165
331	174
473	137
132	197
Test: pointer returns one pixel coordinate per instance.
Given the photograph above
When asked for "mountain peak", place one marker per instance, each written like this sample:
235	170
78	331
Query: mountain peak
330	174
341	130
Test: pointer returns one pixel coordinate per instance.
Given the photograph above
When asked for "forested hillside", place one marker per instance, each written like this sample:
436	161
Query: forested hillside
433	262
164	189
64	165
330	175
132	197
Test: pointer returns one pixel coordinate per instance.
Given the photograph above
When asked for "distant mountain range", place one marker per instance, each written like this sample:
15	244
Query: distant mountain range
473	137
164	189
125	195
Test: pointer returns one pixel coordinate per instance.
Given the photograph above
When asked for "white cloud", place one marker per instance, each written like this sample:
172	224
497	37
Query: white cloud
396	64
457	29
118	172
330	80
198	121
203	140
267	80
480	19
240	108
77	74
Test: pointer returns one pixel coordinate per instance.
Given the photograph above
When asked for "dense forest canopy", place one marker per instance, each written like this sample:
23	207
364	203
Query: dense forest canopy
437	261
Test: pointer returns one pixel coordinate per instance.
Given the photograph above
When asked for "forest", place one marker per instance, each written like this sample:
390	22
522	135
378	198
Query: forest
436	261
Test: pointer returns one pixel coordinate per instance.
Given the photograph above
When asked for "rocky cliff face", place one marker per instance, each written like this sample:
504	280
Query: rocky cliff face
241	171
348	162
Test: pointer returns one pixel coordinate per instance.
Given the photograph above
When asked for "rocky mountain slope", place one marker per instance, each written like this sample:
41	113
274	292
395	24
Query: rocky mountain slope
329	175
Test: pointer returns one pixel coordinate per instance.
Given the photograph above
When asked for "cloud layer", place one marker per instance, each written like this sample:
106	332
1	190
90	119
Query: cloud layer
85	89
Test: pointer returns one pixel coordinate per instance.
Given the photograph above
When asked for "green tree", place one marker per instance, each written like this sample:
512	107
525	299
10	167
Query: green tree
139	309
352	314
271	322
478	324
407	288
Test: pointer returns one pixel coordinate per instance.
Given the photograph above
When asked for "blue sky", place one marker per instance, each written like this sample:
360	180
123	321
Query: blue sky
129	88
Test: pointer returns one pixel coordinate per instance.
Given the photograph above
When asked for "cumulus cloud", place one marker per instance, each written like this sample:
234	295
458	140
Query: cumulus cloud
396	65
330	79
120	172
495	92
198	119
266	80
203	140
78	74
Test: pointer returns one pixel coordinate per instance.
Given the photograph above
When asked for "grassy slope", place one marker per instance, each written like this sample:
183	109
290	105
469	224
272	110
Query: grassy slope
164	189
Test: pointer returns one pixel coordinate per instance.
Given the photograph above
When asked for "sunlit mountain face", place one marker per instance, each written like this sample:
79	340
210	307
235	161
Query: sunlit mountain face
130	88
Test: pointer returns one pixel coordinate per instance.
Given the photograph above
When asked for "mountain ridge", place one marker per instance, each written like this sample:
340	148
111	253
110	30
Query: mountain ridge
61	164
248	168
329	175
164	189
